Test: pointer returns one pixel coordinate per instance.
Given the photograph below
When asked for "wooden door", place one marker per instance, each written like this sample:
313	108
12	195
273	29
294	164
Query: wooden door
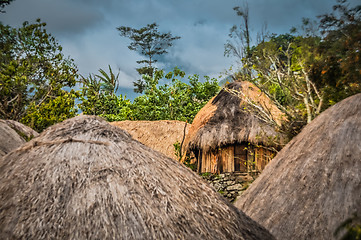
240	157
227	158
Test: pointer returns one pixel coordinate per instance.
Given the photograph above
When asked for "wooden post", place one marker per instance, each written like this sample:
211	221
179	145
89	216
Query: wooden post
199	163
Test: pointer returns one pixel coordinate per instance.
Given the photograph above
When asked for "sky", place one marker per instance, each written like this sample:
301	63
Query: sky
86	29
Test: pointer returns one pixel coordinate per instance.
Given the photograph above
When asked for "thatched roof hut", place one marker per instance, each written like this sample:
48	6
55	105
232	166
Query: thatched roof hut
86	179
23	130
225	134
314	183
13	134
9	138
159	135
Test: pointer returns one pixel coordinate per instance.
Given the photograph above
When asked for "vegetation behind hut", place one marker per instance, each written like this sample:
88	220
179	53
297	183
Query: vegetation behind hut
305	71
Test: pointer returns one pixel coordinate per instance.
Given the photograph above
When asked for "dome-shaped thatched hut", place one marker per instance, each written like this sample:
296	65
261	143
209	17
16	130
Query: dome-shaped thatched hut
13	134
227	135
158	135
24	131
314	183
86	179
9	139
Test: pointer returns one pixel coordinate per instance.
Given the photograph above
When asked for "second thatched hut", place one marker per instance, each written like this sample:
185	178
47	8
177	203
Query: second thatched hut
158	135
13	134
230	135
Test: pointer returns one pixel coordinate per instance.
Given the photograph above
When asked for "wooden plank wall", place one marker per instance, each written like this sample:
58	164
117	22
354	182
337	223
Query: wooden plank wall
263	157
217	161
240	157
227	156
249	159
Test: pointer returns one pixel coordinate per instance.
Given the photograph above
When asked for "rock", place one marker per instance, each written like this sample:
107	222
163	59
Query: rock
234	187
228	183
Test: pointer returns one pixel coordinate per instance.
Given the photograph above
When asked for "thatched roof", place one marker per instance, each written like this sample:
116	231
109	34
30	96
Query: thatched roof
23	130
86	179
314	183
226	119
159	135
9	138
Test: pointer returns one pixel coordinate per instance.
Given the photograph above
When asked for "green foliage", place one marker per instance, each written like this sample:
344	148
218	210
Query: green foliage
3	3
175	100
187	159
306	71
98	97
53	111
281	69
33	73
109	82
177	150
192	166
206	174
339	69
239	41
349	229
148	42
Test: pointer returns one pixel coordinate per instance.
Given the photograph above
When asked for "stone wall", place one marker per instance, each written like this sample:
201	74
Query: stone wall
230	185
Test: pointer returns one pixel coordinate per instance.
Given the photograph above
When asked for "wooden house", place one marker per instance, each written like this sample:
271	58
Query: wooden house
230	134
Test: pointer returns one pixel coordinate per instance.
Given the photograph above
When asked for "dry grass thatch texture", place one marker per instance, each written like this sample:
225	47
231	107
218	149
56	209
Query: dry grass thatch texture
9	138
224	120
24	130
159	135
86	179
314	183
251	94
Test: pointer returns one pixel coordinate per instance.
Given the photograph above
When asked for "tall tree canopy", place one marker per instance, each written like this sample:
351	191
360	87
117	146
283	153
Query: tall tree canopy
175	100
304	73
150	43
239	42
3	3
33	73
339	69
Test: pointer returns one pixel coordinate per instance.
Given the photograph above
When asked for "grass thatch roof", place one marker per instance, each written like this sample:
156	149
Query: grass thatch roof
9	138
23	130
314	183
159	135
86	179
226	119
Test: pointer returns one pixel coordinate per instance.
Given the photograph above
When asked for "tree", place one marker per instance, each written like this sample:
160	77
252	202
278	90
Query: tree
150	43
339	70
3	3
98	96
176	100
54	110
283	72
304	74
239	44
33	73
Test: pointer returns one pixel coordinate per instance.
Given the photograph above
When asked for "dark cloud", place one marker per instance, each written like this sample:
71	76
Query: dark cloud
87	28
62	17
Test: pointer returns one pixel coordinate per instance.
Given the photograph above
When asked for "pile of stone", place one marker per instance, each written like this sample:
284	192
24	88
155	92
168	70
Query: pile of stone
230	185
